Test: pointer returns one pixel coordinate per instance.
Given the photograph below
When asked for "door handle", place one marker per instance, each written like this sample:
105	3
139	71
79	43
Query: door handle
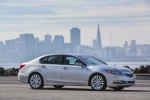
43	66
65	68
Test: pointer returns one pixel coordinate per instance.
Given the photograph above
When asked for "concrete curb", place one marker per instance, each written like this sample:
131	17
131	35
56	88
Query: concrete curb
143	75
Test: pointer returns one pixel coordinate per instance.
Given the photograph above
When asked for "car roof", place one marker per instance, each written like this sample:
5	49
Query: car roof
36	60
73	54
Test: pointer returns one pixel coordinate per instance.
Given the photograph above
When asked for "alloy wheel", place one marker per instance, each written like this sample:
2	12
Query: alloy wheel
98	82
36	81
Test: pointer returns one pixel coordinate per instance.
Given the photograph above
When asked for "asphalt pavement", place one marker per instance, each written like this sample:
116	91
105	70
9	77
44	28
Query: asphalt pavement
12	89
140	81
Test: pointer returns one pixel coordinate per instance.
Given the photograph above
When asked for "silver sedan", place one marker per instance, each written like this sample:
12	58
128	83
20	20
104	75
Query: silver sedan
68	69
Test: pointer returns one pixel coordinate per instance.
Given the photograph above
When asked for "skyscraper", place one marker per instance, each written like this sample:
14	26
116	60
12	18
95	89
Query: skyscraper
2	50
48	39
125	46
99	43
75	37
133	47
28	46
2	46
58	42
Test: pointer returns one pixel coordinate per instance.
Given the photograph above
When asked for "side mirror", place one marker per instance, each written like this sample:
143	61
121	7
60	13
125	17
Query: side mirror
78	63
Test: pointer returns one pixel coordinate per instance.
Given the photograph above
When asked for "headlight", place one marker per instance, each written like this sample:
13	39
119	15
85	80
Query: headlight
116	72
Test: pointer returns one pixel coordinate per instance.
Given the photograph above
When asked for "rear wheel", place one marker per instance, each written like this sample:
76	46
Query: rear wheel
58	86
36	81
118	88
98	82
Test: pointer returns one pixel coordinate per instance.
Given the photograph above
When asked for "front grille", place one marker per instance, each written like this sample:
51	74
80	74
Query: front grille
129	75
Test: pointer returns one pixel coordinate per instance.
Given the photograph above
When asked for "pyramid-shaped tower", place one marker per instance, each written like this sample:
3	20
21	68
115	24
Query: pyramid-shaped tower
99	43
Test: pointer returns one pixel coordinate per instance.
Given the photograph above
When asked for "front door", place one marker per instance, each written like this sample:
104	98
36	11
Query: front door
71	73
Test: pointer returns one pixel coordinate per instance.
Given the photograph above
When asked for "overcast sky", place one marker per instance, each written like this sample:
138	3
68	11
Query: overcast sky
124	19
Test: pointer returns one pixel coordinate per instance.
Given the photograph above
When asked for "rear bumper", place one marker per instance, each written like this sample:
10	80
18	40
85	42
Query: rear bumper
22	78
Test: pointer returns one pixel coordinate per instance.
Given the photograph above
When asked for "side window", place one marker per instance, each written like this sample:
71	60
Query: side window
44	60
70	60
56	59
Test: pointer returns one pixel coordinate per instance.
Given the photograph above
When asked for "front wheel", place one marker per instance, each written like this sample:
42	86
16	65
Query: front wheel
58	86
98	82
118	88
36	81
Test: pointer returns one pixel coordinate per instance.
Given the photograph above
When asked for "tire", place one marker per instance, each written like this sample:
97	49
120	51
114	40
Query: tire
36	81
118	88
98	82
58	86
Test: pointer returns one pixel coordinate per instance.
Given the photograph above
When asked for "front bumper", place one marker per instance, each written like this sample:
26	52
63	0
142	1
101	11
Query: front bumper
117	81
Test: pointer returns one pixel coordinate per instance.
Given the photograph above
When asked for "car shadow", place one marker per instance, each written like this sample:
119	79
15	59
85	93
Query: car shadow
68	89
130	90
89	89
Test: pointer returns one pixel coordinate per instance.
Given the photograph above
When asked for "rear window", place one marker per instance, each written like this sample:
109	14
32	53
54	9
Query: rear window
55	59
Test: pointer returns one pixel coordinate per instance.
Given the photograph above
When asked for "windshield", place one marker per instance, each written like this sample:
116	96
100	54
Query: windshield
92	60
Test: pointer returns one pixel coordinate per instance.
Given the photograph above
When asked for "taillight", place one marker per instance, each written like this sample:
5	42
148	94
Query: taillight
21	66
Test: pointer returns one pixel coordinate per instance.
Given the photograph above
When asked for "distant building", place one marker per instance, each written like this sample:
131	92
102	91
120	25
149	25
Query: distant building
97	44
114	53
126	48
2	49
143	50
48	43
28	46
42	48
37	47
84	49
48	39
13	50
75	37
133	48
68	47
58	43
125	45
111	52
9	45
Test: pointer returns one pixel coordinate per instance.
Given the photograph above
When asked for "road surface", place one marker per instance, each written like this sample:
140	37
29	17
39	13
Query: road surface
11	89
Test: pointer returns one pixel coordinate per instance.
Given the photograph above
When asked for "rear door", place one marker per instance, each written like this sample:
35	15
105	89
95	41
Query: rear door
51	68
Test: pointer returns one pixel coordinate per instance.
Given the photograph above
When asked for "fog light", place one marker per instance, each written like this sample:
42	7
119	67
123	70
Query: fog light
119	82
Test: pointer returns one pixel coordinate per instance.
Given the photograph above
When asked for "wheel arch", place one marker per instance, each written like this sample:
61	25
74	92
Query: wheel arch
96	74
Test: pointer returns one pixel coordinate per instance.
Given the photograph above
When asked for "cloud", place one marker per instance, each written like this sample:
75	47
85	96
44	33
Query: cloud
38	15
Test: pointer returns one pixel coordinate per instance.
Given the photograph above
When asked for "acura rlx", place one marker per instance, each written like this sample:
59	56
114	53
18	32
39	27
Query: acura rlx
61	70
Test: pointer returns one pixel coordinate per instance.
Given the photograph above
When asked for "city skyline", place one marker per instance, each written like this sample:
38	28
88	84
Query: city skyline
28	47
125	19
75	35
98	33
